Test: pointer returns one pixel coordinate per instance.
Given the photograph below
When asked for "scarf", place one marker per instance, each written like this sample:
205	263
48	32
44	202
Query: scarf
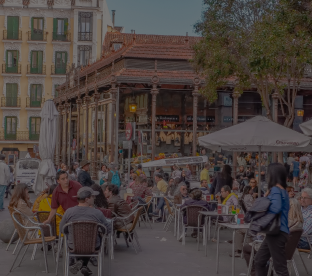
227	198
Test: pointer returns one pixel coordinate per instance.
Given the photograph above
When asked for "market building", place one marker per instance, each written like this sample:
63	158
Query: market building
40	40
149	80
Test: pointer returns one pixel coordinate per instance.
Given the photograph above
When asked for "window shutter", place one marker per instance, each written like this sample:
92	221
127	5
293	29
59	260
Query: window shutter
32	24
65	61
10	25
8	90
55	26
65	25
15	25
40	55
30	130
5	127
14	89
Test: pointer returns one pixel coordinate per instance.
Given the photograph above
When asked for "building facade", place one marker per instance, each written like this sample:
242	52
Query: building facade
40	42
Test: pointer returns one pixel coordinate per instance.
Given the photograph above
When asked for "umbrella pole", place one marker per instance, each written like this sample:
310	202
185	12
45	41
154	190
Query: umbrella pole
259	172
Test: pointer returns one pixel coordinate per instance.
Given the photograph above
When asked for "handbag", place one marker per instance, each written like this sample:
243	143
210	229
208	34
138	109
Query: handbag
273	228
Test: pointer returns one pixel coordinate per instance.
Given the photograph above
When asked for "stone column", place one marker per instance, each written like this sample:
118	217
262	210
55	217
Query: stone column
96	100
195	104
154	93
87	100
113	92
235	96
79	102
64	142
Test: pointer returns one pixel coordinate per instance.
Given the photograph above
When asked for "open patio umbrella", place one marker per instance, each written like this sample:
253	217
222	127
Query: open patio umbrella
306	127
257	134
47	142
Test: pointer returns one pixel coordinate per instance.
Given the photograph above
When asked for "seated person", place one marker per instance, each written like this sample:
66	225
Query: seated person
172	187
247	198
295	218
181	195
119	206
140	188
204	187
306	204
84	212
100	201
161	183
228	199
39	198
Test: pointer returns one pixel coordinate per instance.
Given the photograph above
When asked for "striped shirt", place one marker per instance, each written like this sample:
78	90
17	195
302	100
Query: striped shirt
307	221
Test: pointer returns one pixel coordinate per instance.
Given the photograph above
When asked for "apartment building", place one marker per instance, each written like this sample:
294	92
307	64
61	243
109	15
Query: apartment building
40	41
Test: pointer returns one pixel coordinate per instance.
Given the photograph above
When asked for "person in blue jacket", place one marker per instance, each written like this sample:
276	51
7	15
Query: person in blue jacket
274	245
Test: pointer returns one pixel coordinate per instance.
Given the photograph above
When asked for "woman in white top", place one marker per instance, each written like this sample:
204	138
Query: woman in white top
103	174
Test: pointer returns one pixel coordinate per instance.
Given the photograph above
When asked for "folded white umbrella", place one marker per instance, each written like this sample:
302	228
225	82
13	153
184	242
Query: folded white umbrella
306	127
47	142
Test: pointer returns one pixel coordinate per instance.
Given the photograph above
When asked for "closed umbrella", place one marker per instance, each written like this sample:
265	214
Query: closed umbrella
47	142
306	127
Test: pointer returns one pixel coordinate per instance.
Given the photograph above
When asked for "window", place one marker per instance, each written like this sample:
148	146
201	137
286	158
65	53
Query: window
36	62
34	128
13	27
37	28
10	126
11	95
12	61
60	29
36	95
60	62
84	54
85	26
117	46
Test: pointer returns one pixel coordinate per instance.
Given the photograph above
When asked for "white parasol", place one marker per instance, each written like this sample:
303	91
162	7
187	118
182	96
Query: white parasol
47	141
306	127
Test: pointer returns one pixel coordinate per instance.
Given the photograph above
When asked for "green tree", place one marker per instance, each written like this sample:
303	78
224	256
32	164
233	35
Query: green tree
263	44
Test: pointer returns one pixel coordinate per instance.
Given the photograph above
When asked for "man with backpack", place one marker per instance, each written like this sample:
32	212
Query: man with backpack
113	175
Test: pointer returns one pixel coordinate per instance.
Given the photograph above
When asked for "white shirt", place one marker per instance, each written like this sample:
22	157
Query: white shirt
5	173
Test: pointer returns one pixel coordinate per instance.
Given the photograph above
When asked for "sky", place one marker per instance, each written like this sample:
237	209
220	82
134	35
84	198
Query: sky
162	17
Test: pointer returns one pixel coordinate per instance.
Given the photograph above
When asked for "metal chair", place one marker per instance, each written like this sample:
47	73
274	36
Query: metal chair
26	236
11	210
84	234
134	205
290	248
130	231
144	215
171	212
308	251
193	221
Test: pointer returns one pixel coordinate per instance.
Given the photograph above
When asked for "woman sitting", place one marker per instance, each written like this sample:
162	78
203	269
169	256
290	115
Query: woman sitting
103	175
140	188
295	218
100	201
247	198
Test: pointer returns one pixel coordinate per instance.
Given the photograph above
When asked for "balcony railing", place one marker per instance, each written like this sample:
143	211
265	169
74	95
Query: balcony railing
10	102
37	35
18	136
84	36
60	70
14	69
57	36
12	35
40	70
34	103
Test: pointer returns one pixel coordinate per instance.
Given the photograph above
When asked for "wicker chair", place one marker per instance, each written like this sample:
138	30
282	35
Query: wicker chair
130	231
26	236
84	234
11	210
193	220
291	245
170	218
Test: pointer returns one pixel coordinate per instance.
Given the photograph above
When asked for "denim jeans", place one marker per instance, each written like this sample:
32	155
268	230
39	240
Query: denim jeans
303	244
2	192
161	203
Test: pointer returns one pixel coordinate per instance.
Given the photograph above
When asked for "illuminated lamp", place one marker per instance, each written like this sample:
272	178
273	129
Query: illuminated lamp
132	105
300	113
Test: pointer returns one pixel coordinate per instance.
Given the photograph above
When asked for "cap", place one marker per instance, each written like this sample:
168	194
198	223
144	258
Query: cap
84	162
85	192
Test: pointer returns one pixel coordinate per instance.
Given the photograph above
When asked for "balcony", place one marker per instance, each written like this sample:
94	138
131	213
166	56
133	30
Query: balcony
39	70
18	136
57	36
12	35
61	70
37	35
10	102
32	103
11	69
85	36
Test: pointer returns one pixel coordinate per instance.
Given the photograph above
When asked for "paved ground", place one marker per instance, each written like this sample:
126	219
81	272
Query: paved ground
162	255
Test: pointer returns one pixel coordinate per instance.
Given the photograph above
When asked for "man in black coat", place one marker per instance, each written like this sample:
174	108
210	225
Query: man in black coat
84	177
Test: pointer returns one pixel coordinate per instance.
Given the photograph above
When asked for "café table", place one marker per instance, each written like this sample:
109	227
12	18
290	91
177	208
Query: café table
234	227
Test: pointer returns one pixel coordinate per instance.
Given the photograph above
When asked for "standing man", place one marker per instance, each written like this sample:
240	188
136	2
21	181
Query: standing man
4	179
65	194
84	177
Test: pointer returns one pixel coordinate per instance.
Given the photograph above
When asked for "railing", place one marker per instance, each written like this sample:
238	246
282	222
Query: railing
12	35
10	102
34	136
16	136
36	70
14	69
59	70
57	36
34	103
37	35
84	36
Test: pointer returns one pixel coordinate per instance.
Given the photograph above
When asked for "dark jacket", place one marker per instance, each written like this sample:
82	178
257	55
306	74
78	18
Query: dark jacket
192	202
219	182
121	208
84	178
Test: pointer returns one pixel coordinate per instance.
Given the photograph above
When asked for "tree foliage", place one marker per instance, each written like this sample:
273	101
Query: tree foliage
265	44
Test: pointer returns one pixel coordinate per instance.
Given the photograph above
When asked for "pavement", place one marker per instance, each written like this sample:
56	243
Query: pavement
161	255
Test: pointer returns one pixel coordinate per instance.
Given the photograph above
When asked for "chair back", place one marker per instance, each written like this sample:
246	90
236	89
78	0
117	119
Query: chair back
148	200
168	206
84	235
192	213
292	243
136	218
11	210
133	205
43	216
19	223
